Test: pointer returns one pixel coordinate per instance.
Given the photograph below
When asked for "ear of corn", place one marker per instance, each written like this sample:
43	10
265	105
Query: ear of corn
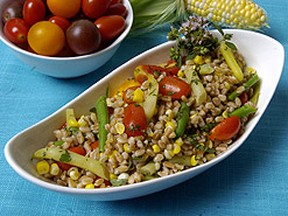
233	13
244	14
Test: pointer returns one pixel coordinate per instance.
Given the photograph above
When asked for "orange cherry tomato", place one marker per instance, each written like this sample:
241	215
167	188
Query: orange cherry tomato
64	8
110	26
226	129
174	87
134	120
94	145
46	38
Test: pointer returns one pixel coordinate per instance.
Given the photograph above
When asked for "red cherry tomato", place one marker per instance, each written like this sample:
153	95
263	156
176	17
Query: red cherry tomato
16	30
61	22
95	8
117	9
76	149
134	120
110	26
226	129
156	70
33	11
174	87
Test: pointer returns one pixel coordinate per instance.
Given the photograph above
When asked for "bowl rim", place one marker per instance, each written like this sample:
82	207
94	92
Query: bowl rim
128	20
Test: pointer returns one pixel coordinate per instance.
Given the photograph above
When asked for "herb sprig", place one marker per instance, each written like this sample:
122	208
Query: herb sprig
194	38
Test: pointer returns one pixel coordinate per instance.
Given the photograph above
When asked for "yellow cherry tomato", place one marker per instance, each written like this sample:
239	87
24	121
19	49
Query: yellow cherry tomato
64	8
46	38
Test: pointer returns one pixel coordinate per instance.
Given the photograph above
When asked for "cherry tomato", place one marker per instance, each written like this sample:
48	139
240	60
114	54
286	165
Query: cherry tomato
115	1
16	30
134	120
13	10
95	8
46	38
174	87
83	37
226	129
76	149
110	26
64	8
117	9
156	70
62	22
33	11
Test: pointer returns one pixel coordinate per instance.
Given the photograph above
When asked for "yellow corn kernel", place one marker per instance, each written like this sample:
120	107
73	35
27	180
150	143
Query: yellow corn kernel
176	149
251	70
180	73
156	148
225	114
179	141
74	174
138	96
171	153
70	118
54	169
199	60
112	176
126	148
89	186
112	153
120	128
209	144
82	122
42	167
193	160
170	124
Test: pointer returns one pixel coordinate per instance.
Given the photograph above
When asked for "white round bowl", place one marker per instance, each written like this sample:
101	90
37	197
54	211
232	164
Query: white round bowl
67	67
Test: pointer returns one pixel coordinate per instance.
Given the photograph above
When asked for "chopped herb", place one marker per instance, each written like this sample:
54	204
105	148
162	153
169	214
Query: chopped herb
58	143
65	157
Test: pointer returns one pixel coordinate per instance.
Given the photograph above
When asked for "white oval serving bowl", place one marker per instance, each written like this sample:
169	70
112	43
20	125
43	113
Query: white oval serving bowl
67	67
261	52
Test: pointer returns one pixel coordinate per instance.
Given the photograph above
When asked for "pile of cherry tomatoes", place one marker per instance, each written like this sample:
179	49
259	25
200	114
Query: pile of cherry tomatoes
64	27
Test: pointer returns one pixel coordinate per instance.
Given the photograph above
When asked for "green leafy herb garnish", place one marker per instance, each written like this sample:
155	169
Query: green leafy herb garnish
65	157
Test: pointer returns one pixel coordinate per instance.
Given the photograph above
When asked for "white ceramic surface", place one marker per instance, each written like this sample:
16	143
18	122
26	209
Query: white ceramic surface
261	52
67	67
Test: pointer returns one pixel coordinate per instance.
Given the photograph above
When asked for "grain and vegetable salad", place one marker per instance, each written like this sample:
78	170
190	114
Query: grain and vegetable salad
167	118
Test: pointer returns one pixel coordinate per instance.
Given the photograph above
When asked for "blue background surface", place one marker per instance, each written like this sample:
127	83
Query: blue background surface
253	181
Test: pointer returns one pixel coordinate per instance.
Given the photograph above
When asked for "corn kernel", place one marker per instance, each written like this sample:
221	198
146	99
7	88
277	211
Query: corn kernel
120	128
74	174
138	96
112	176
126	148
89	186
180	73
112	153
251	70
156	148
225	114
170	124
176	149
54	169
179	141
42	167
193	160
82	122
210	156
199	60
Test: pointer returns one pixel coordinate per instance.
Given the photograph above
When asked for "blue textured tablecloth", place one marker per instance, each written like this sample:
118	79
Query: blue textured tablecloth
253	181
